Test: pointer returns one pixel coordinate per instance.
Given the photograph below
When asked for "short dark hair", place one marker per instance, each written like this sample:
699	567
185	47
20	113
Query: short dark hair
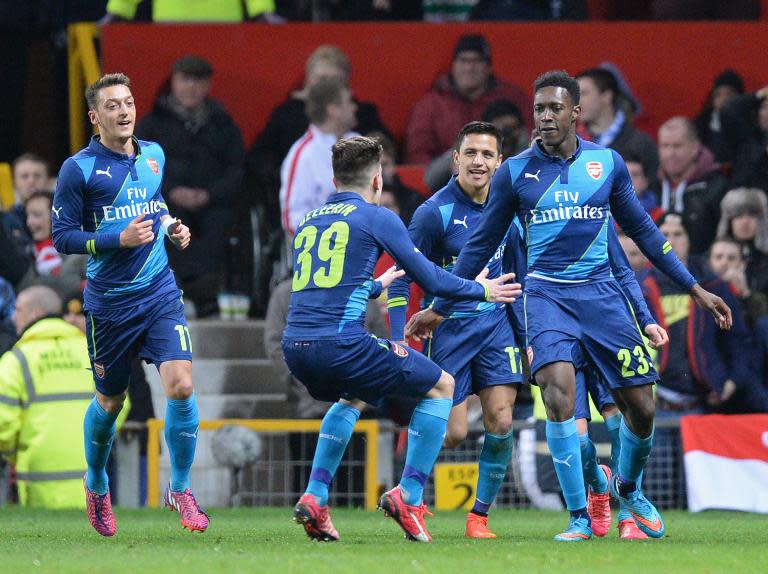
40	194
559	79
603	79
387	145
33	157
106	81
499	108
192	65
479	128
353	158
635	157
325	92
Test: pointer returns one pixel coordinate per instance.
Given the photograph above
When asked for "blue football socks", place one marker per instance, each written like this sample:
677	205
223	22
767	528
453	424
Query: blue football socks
612	425
99	432
563	441
494	460
633	458
425	438
593	474
181	422
335	432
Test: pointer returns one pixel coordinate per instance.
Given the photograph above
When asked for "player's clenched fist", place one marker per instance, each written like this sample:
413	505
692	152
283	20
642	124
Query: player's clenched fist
138	232
498	290
179	234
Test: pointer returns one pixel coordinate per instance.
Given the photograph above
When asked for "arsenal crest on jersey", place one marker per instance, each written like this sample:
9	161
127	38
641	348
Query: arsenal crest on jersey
399	350
594	169
99	370
153	165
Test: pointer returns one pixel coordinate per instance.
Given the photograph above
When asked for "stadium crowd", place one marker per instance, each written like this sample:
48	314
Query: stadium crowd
703	179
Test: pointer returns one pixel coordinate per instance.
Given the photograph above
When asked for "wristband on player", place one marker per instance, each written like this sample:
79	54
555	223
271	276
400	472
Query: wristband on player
169	226
487	292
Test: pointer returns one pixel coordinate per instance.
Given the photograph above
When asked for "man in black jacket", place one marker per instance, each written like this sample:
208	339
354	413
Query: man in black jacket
203	174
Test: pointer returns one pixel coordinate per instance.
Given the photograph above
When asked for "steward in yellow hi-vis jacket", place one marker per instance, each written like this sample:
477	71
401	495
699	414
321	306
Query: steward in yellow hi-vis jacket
45	388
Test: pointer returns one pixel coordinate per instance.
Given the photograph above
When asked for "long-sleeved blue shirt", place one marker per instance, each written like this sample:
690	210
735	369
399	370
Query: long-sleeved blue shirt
98	193
336	248
440	228
566	208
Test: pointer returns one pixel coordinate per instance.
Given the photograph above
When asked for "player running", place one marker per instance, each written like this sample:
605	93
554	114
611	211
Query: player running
565	191
108	204
476	344
327	348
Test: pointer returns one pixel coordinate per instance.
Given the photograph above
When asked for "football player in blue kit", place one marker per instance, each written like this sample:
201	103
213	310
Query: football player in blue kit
327	348
566	192
476	344
108	204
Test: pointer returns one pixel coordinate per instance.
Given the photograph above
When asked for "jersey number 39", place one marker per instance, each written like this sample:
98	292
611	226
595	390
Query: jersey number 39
331	250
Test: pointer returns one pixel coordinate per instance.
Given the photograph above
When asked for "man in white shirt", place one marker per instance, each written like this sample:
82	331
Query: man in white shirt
306	175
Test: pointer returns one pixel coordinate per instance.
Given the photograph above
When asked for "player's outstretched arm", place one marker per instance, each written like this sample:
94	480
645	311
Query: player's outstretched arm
714	304
499	290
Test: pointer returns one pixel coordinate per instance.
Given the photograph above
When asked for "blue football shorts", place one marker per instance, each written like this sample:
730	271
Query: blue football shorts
479	352
561	319
155	331
362	367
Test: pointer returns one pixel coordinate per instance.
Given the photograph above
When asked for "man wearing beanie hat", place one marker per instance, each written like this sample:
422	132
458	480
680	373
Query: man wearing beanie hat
203	172
744	121
726	85
457	98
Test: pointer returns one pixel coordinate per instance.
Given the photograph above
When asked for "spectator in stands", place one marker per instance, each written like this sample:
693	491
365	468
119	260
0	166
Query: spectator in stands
647	195
530	10
691	182
727	84
7	308
14	262
306	176
637	261
702	368
46	386
288	122
185	11
726	261
606	118
30	174
455	99
744	219
744	121
406	198
65	274
203	175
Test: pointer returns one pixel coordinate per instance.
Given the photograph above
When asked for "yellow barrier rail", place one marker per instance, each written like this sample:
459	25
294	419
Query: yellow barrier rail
84	69
368	427
6	186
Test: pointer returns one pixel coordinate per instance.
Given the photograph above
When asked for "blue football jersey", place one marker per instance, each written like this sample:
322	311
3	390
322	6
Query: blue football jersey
565	208
440	228
98	193
335	250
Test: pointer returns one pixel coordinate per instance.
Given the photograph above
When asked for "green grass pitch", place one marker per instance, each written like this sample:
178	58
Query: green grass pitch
266	540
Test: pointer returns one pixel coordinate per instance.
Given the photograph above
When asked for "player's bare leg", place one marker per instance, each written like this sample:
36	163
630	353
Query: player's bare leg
558	388
181	425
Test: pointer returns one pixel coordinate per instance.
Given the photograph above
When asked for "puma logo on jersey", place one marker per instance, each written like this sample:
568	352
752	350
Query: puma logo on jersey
461	222
104	172
532	175
565	462
56	211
